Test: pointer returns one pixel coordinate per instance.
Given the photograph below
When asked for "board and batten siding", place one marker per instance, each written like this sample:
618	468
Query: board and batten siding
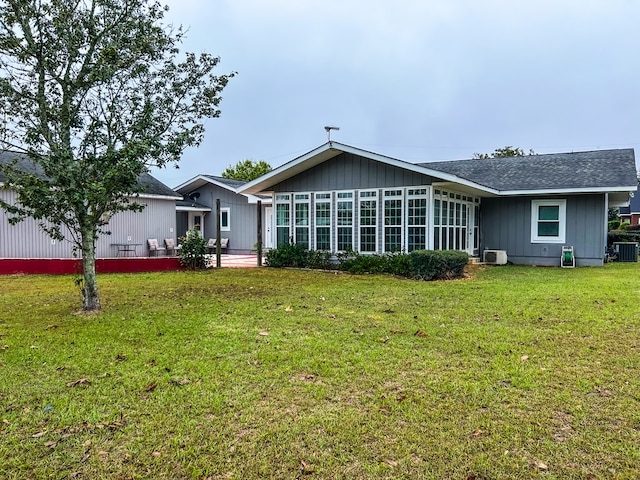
347	172
27	240
243	223
506	225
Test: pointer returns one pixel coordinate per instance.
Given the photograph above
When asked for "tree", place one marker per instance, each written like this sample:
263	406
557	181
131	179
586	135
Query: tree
94	93
247	170
504	152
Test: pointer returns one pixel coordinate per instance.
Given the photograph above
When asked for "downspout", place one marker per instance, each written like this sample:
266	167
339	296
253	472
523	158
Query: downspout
606	226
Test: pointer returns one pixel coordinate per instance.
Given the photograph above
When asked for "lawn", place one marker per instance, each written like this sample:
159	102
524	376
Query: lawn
512	372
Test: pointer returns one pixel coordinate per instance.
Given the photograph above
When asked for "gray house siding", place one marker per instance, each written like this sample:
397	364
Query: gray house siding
242	218
348	171
27	240
506	225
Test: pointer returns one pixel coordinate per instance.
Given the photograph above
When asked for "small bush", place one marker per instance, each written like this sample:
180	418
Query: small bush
287	255
622	236
437	264
193	251
614	224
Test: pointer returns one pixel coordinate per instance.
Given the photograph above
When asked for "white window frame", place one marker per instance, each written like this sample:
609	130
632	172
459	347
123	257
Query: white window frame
366	196
301	198
315	225
227	227
562	220
353	200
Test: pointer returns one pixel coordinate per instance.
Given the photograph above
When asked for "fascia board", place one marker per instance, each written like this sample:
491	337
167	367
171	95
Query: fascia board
192	209
156	197
567	191
198	181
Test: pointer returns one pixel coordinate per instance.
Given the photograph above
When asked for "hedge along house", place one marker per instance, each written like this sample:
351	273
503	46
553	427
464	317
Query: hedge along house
238	212
26	240
338	198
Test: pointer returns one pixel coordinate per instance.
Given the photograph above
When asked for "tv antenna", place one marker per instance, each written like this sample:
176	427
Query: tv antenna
328	128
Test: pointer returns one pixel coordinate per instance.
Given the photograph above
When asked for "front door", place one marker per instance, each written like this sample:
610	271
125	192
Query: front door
196	221
268	228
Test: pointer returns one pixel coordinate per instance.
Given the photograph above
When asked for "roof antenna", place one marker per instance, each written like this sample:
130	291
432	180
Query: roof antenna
328	128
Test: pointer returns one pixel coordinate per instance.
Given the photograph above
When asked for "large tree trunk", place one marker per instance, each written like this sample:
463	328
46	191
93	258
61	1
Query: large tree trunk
90	297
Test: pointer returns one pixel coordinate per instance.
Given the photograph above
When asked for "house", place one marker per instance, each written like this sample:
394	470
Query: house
338	197
238	212
26	240
631	213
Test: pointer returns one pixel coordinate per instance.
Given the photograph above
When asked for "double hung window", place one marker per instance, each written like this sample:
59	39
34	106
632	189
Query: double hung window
548	221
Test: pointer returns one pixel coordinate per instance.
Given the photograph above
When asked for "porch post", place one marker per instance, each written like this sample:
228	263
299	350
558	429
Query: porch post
259	243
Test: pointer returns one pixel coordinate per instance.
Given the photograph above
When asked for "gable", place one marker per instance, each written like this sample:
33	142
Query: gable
348	171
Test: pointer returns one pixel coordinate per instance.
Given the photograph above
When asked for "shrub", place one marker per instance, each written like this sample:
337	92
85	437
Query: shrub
632	228
623	236
287	255
614	224
193	251
437	264
421	264
623	225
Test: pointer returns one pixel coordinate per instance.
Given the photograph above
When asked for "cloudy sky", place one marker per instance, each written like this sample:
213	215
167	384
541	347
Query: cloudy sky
418	80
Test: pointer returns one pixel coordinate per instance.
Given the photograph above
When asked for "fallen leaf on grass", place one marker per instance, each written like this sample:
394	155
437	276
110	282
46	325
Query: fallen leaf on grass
420	334
288	309
39	434
541	465
151	387
180	383
306	468
156	454
81	381
102	453
50	444
388	461
264	333
524	358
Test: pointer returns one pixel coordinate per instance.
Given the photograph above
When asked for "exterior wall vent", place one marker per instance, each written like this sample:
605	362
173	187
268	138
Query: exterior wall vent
495	257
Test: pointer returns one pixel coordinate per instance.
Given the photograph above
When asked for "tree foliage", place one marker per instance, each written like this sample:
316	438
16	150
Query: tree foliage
247	170
95	92
504	152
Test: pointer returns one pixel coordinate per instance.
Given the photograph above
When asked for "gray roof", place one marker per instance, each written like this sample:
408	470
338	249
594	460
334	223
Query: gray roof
151	185
558	171
227	181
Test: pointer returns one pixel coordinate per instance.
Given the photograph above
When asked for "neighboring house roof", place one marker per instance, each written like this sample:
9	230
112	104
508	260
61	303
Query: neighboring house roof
151	185
604	171
634	204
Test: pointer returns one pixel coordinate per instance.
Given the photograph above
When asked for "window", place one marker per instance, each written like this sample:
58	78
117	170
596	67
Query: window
301	202
225	225
345	221
417	218
368	221
392	220
548	221
283	219
323	221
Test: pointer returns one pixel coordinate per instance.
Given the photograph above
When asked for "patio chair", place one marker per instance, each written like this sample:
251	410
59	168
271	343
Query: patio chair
172	248
154	247
211	244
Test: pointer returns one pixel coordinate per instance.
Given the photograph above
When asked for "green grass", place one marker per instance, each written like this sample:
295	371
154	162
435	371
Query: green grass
513	372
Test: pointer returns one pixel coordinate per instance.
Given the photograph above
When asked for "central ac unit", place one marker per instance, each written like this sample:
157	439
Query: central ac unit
495	257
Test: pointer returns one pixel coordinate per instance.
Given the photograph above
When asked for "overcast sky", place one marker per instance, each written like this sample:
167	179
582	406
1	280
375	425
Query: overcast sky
418	80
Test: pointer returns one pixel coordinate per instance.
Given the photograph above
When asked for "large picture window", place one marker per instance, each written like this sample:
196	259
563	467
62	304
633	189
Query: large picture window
548	221
417	219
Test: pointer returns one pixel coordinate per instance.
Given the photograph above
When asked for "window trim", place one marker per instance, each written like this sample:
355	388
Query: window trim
227	227
562	220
